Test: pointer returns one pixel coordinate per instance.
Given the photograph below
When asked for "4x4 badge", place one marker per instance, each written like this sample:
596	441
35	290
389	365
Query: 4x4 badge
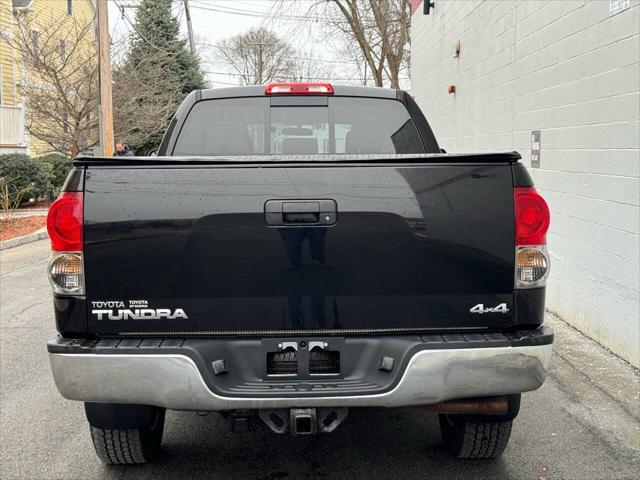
479	308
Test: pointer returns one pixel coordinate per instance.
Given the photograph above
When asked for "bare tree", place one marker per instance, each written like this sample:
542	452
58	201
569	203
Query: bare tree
60	84
373	34
258	56
11	197
306	67
381	30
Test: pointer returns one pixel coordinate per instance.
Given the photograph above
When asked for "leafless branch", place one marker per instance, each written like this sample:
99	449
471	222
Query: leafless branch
258	56
61	87
373	34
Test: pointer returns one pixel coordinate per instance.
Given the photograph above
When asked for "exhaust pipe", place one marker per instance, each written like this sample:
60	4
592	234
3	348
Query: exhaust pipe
303	421
472	406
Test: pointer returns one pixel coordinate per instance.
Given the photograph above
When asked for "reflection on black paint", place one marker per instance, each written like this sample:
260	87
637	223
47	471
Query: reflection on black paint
294	238
415	246
303	269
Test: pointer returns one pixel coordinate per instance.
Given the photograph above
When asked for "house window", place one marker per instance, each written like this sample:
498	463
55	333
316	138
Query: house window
63	50
70	7
65	123
35	42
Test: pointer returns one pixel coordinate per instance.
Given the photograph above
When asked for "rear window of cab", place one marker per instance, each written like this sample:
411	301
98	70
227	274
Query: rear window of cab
253	126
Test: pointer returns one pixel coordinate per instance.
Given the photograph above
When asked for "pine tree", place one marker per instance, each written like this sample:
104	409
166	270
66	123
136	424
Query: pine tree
157	73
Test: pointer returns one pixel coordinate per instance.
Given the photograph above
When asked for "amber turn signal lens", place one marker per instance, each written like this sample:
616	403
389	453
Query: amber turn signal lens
532	266
66	273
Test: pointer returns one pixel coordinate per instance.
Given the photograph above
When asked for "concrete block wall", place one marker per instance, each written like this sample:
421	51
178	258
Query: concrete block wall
571	70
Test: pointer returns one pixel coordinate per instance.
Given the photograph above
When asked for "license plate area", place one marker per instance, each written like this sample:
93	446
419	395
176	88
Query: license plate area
282	362
324	362
303	358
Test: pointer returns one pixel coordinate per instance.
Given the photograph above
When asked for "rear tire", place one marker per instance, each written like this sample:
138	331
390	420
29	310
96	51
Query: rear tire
126	446
474	439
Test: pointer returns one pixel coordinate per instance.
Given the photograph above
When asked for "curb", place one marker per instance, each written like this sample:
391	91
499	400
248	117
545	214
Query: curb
30	212
32	237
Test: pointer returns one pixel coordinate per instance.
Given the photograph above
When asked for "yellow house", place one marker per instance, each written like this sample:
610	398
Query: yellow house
28	18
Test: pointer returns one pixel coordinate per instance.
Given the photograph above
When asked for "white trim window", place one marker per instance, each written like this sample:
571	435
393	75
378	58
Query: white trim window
70	8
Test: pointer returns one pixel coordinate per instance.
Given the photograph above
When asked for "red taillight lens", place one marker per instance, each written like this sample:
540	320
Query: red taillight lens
532	217
64	223
299	89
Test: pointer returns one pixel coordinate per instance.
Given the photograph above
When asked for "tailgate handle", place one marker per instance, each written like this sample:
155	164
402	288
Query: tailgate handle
298	218
285	213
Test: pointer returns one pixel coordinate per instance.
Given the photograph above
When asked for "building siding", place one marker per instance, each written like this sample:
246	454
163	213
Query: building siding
572	71
43	12
7	77
12	138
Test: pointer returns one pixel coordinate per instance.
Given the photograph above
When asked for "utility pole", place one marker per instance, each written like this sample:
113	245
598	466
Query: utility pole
259	61
106	109
187	14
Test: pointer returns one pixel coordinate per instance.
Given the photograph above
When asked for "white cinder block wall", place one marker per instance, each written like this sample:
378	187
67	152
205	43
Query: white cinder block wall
571	70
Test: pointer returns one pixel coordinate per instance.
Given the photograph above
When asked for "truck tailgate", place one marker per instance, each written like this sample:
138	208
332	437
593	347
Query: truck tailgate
189	248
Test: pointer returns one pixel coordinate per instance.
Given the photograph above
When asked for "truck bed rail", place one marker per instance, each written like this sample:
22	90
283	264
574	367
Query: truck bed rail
316	160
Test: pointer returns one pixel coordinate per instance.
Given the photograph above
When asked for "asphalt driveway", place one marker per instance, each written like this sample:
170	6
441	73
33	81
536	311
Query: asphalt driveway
584	423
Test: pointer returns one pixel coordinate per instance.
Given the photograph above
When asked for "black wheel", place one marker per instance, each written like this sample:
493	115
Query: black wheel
125	446
474	439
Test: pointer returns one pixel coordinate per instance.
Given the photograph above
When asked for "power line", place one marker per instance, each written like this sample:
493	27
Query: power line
292	77
308	59
243	10
226	83
264	15
249	13
296	57
132	24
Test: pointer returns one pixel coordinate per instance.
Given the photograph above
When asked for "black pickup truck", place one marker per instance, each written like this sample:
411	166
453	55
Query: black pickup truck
293	252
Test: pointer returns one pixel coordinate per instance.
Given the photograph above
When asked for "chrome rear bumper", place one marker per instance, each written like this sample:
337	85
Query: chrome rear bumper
174	381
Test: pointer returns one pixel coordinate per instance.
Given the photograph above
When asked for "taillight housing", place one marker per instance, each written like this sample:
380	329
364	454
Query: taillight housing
64	222
531	225
532	217
64	225
291	88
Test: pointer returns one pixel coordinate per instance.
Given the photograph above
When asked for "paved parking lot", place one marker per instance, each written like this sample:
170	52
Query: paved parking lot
584	423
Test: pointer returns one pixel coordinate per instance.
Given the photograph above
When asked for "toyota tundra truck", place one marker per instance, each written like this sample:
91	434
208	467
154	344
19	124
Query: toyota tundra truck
291	253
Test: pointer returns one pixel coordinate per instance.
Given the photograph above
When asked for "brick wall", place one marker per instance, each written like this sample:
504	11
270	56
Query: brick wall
571	70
